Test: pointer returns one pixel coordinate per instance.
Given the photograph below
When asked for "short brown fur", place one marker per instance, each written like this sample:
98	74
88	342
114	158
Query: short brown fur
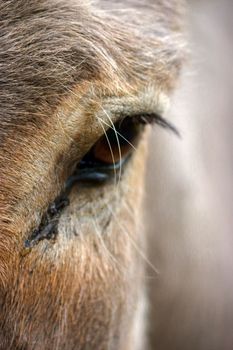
60	61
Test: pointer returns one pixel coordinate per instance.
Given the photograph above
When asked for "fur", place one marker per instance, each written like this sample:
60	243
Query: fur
61	62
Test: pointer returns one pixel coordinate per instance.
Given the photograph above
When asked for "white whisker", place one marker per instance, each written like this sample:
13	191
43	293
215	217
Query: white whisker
106	250
134	244
111	151
118	143
125	139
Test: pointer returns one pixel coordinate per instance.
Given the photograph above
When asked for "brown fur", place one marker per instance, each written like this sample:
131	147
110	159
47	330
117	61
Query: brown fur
61	64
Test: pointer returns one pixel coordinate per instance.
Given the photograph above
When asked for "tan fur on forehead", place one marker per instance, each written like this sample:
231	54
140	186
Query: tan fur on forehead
47	47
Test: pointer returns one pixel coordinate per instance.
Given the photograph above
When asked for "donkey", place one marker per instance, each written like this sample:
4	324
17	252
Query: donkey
80	82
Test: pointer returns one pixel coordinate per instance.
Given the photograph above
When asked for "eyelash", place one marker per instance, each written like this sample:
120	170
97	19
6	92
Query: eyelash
153	118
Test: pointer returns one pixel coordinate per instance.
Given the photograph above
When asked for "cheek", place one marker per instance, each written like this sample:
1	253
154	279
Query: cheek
80	286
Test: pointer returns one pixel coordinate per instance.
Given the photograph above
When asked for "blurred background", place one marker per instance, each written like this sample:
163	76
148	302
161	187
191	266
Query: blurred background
190	195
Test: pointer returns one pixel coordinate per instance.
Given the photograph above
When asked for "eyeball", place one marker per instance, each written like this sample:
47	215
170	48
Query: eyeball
115	145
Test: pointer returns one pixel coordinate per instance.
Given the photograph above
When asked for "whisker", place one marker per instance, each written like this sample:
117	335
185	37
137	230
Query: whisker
118	144
134	244
111	151
132	214
107	251
125	139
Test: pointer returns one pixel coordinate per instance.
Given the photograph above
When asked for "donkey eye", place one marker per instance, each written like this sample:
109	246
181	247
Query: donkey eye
112	149
109	154
117	143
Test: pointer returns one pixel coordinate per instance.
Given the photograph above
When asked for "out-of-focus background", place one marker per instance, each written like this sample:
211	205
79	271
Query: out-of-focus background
190	195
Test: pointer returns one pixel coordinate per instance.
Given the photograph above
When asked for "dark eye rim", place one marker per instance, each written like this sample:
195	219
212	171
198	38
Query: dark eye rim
134	125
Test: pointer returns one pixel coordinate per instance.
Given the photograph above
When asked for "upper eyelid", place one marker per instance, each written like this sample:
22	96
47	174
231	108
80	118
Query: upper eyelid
146	102
148	106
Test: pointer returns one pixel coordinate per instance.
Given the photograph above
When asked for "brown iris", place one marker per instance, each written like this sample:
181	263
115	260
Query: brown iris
115	145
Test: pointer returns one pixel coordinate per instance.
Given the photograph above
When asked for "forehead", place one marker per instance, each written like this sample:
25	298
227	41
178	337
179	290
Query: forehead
49	47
